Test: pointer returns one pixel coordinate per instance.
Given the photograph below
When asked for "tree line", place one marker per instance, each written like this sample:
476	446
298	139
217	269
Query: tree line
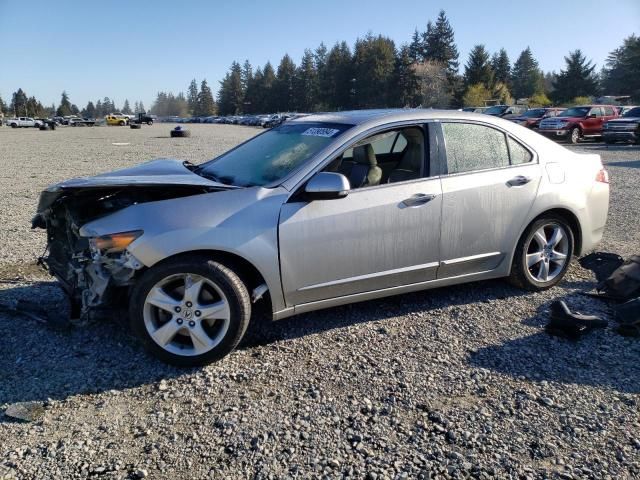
375	73
22	105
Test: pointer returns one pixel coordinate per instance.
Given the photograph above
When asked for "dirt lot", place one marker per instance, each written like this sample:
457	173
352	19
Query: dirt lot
458	382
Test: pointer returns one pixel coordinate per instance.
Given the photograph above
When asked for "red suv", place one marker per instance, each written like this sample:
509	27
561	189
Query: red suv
578	123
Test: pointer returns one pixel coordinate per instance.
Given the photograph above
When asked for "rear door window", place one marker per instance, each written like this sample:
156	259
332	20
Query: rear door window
470	147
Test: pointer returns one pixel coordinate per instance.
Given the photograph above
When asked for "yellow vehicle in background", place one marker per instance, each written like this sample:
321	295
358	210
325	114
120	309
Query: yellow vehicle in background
117	119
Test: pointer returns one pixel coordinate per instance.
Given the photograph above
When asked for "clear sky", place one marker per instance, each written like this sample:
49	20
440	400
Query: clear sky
132	49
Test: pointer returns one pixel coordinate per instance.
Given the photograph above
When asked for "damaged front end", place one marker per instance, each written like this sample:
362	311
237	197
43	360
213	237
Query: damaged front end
95	272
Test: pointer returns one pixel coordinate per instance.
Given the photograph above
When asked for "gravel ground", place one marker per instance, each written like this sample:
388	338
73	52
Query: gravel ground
458	382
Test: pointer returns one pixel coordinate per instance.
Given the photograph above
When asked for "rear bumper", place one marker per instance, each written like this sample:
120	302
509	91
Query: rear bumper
595	218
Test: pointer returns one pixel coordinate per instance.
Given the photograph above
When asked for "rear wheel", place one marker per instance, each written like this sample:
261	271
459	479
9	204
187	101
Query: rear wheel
543	254
574	136
190	311
121	123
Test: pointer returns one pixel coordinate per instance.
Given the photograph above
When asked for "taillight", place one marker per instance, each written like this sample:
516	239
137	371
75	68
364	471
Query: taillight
602	176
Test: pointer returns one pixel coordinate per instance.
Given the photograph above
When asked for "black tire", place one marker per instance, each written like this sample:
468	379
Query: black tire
520	273
135	126
122	123
14	125
44	128
226	279
150	122
574	135
180	133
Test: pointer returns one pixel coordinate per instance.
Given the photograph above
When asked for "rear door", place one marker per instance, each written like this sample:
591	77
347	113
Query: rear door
593	122
489	187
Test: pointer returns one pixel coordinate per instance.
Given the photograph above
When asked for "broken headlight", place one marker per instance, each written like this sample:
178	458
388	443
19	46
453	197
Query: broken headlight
113	243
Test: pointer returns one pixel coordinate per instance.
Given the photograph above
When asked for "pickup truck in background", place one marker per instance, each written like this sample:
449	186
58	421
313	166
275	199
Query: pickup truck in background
22	122
623	129
141	118
117	119
578	123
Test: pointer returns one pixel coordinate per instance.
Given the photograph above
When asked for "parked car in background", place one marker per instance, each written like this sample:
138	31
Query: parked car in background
623	129
81	122
578	123
474	109
532	117
323	210
22	122
625	108
505	110
143	118
115	119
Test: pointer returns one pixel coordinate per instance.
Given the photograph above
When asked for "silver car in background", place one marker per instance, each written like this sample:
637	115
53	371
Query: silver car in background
321	211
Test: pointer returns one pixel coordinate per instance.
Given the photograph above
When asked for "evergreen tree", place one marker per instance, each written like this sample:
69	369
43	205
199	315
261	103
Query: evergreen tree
320	58
416	47
74	109
439	43
501	67
247	75
621	74
3	107
126	108
478	68
99	109
65	106
141	108
526	77
267	88
283	87
18	105
306	83
338	81
89	111
577	79
254	96
374	67
406	84
206	105
192	97
231	94
108	106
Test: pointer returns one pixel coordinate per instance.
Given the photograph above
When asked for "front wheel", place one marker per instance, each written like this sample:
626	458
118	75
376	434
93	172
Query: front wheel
574	136
543	254
190	311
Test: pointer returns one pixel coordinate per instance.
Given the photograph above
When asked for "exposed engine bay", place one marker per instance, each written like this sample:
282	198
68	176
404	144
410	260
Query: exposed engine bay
92	274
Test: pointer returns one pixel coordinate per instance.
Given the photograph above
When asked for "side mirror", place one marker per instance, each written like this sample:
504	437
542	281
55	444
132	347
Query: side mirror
327	186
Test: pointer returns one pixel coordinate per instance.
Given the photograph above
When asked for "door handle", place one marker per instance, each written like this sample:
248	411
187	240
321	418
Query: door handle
518	181
418	199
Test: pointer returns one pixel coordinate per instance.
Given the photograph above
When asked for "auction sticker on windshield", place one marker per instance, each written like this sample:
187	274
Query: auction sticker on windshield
320	132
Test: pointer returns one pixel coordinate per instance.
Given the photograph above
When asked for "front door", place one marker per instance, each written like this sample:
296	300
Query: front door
378	236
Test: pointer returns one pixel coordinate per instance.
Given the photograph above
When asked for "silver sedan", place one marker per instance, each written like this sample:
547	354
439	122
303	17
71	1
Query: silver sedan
323	210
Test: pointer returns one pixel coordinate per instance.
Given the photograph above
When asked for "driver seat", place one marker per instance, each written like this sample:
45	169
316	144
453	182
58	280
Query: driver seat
365	171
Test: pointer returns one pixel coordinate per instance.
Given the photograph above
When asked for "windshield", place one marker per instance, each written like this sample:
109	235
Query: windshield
534	113
498	109
634	112
575	112
272	155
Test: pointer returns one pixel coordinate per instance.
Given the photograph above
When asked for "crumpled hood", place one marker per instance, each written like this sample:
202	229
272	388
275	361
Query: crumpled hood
156	172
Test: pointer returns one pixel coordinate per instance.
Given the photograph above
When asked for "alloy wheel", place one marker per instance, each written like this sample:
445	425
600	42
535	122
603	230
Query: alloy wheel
547	252
186	314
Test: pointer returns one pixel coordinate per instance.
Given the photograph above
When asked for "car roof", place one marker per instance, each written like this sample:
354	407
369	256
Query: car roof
360	117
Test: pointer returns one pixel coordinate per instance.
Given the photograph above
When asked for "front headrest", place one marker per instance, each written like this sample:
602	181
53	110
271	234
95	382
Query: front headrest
412	158
364	155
